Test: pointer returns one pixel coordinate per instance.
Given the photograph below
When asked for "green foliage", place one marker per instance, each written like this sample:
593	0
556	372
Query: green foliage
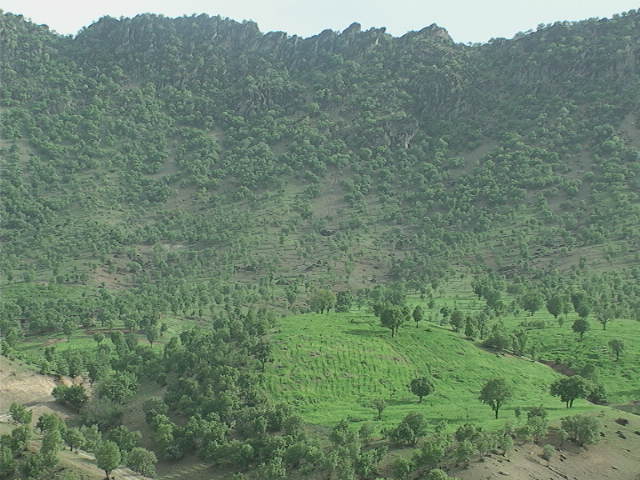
570	388
142	461
74	395
409	430
617	347
417	314
155	184
582	429
402	468
74	438
548	451
421	387
107	457
432	451
437	474
118	387
580	326
495	393
20	414
391	317
322	300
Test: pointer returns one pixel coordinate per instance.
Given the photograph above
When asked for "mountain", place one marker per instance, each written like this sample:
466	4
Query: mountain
185	182
350	158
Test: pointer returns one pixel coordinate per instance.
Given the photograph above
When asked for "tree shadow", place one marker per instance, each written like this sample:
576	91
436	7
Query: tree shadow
367	333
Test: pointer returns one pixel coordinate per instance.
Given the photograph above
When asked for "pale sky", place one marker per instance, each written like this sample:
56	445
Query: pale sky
466	20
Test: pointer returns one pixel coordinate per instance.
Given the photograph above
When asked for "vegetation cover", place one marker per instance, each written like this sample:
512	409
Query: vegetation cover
300	256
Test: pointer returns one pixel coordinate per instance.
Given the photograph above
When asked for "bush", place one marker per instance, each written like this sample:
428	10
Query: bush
402	468
142	461
582	429
548	451
410	429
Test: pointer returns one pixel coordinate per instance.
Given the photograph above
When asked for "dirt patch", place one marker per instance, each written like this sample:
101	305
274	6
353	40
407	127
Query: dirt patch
563	369
19	384
615	457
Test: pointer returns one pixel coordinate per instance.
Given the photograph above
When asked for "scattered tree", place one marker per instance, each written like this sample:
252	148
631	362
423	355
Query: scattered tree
582	429
570	388
617	347
421	387
108	457
495	393
580	326
418	315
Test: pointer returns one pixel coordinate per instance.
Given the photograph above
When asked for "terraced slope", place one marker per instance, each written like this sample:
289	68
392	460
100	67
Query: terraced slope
331	367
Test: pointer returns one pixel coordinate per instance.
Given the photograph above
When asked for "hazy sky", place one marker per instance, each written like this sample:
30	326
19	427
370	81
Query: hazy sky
466	20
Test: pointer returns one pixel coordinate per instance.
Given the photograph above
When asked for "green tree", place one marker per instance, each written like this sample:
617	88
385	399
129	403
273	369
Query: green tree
20	414
51	442
469	328
322	300
74	438
583	310
418	315
344	300
108	457
409	430
402	468
262	351
432	451
7	462
457	320
532	302
118	387
421	387
392	317
580	326
495	393
605	315
617	347
379	404
49	421
437	474
570	388
75	395
20	437
582	429
142	461
463	452
152	333
555	305
125	439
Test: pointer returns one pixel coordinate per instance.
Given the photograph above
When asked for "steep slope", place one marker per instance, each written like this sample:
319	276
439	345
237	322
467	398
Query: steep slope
347	158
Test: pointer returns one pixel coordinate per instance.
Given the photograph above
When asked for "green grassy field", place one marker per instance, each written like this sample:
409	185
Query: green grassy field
331	366
559	344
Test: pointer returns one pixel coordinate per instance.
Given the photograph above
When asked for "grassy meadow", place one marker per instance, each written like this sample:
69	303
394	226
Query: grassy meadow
332	366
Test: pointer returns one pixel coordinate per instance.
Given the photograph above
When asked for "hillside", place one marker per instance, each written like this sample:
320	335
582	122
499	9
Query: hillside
225	237
349	159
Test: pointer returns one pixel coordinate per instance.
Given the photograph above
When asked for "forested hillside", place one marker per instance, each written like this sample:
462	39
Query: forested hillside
351	157
183	182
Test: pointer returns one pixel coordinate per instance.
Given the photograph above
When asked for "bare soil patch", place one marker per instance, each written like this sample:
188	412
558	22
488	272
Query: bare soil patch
19	384
615	457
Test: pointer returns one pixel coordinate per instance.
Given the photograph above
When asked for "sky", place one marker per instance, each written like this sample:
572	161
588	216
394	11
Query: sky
466	20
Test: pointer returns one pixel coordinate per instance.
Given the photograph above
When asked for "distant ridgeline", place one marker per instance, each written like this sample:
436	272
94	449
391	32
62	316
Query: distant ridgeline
152	148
